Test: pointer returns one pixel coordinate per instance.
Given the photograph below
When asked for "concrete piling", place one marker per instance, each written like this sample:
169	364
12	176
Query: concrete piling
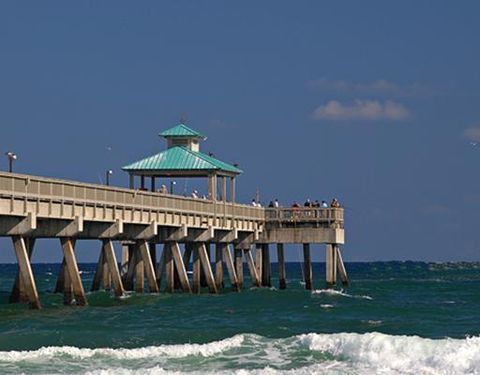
282	279
307	267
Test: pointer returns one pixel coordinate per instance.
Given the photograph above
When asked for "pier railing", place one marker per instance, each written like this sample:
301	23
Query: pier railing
332	217
62	199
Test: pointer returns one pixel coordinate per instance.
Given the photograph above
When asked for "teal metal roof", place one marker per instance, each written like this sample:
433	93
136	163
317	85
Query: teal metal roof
181	158
181	130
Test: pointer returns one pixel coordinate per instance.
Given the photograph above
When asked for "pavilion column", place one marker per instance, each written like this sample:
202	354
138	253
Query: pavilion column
142	182
212	186
153	184
232	189
132	181
224	189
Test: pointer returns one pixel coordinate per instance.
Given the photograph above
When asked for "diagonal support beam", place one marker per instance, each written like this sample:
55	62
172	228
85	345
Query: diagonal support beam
341	267
180	266
148	266
251	266
207	269
71	267
25	271
61	283
110	259
227	256
19	293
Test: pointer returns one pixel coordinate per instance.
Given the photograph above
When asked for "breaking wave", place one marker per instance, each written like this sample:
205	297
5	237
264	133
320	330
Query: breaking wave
244	354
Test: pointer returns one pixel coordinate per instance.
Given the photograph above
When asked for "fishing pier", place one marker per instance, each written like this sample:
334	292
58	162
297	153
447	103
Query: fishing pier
142	220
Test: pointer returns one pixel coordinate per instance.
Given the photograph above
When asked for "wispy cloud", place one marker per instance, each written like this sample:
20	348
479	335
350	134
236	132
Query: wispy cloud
361	110
472	134
378	87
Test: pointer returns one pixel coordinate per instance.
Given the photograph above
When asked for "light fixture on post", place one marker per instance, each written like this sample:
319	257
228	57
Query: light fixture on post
108	173
11	157
172	184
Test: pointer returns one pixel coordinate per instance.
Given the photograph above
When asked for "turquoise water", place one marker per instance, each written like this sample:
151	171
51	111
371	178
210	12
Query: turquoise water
397	317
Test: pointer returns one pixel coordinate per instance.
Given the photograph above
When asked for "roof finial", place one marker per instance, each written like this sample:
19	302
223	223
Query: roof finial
183	118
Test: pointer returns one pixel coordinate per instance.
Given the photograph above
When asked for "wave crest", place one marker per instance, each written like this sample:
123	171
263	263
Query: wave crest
173	351
401	354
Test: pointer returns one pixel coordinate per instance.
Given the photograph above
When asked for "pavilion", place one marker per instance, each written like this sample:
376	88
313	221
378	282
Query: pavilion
183	159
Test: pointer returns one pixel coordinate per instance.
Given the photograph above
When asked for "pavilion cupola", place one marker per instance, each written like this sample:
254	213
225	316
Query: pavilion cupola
182	135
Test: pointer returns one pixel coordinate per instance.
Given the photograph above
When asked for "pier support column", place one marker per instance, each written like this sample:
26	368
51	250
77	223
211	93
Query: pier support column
98	278
139	271
59	285
239	266
25	272
161	267
341	267
282	276
251	266
203	279
148	267
259	260
207	268
266	266
61	282
227	256
153	252
307	265
187	255
71	268
19	292
124	264
107	279
219	249
180	267
196	268
169	268
129	278
110	259
330	266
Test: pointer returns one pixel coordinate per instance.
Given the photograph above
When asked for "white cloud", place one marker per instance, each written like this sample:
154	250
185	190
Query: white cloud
361	110
378	87
472	134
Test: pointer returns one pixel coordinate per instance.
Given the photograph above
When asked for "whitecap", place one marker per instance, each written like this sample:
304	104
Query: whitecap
378	352
326	306
173	351
333	292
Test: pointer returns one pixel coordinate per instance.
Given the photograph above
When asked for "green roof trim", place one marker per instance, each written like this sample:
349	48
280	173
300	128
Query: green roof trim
181	158
181	130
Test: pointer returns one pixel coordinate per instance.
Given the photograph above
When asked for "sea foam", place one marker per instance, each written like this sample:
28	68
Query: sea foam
172	351
245	354
381	353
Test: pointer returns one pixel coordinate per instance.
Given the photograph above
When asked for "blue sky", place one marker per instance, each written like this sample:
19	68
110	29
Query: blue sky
373	102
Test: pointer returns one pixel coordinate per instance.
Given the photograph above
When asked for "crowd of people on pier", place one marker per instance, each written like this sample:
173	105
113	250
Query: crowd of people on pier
308	204
273	203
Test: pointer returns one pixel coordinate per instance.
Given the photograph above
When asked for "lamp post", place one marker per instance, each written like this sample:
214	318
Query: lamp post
172	184
11	157
108	173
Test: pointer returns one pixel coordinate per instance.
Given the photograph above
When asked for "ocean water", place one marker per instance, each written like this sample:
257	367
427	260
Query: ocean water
396	318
